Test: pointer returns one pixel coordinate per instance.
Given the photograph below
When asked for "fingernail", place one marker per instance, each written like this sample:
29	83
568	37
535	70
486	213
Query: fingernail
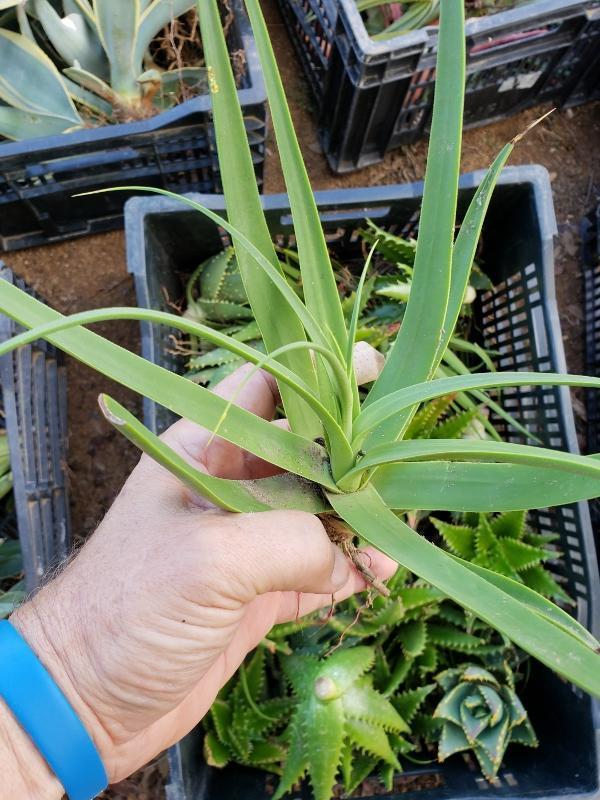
341	569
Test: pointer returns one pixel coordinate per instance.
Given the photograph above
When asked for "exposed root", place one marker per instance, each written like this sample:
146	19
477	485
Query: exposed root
340	534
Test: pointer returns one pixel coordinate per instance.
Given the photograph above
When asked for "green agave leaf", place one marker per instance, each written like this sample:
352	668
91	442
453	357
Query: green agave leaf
88	99
174	392
83	7
479	487
413	638
117	24
283	492
512	525
30	82
246	214
419	344
24	24
452	741
400	400
72	38
92	83
18	125
537	634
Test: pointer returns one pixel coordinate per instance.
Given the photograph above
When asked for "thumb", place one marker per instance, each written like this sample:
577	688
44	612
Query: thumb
278	551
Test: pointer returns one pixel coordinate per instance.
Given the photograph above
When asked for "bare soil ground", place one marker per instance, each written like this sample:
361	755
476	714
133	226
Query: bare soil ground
91	273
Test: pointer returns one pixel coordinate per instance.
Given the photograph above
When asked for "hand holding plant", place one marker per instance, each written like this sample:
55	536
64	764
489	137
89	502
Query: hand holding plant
140	640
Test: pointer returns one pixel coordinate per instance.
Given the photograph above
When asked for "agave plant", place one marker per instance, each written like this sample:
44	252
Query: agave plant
106	73
346	460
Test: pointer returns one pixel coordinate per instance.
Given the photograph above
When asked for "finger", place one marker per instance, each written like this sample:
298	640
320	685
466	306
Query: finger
258	394
283	551
368	362
292	606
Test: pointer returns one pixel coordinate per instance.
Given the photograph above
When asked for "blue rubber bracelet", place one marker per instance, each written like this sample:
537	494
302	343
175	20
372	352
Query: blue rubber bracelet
48	718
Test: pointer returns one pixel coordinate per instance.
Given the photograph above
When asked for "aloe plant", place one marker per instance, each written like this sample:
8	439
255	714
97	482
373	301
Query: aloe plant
215	295
338	712
373	658
83	61
366	470
481	714
505	544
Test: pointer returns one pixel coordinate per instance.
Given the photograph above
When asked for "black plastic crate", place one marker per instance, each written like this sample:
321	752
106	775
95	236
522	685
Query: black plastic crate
166	241
174	150
33	383
373	96
590	235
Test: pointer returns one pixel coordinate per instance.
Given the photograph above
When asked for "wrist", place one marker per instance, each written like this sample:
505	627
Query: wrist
25	774
61	651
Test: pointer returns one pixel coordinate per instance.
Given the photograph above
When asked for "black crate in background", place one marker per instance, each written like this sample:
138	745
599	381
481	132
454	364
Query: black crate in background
590	235
33	383
166	241
373	96
174	150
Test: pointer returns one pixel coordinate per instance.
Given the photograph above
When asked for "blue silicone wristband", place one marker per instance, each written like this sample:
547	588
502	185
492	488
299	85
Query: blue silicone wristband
48	718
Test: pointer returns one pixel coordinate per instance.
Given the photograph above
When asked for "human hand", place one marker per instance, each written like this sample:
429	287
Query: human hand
163	603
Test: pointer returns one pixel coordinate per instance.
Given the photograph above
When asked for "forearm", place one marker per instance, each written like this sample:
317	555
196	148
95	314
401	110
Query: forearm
25	774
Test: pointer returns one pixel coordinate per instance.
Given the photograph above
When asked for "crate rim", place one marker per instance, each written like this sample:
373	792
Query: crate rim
255	94
140	207
475	26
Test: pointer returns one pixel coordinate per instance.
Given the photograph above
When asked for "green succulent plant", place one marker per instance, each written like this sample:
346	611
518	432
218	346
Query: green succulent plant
402	641
505	544
215	296
338	716
481	714
78	61
243	718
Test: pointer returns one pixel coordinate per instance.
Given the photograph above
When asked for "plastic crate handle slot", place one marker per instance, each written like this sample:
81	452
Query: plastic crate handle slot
79	162
344	215
492	44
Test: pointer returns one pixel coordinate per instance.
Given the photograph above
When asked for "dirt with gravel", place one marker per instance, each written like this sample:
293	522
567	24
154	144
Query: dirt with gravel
92	272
